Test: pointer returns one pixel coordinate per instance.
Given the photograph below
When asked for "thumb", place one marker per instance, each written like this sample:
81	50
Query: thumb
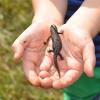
89	59
22	42
18	50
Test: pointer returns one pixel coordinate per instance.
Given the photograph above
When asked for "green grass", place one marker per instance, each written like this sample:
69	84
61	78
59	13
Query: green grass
15	17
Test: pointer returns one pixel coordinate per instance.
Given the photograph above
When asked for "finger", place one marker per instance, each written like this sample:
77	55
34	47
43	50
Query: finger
48	59
18	50
46	82
46	64
44	74
89	59
30	72
69	78
61	28
21	42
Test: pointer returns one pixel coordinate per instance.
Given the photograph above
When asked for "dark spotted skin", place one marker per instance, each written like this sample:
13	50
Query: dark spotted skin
56	45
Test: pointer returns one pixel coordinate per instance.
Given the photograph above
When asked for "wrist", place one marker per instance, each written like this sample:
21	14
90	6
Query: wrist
46	17
87	17
82	22
91	31
53	10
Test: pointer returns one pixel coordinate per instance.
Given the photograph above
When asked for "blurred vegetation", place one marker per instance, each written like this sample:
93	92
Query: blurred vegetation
15	17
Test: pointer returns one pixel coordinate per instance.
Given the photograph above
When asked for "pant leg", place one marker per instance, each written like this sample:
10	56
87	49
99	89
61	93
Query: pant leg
70	97
97	97
85	88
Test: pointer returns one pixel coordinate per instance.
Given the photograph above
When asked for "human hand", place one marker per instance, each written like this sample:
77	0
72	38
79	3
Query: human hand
79	56
30	46
79	53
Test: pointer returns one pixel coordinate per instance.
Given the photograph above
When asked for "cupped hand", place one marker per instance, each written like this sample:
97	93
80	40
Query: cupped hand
30	46
79	56
79	53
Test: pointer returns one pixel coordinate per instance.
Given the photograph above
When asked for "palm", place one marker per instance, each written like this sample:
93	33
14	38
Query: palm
79	56
30	45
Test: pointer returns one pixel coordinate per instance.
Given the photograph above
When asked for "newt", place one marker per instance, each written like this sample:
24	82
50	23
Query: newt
56	45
